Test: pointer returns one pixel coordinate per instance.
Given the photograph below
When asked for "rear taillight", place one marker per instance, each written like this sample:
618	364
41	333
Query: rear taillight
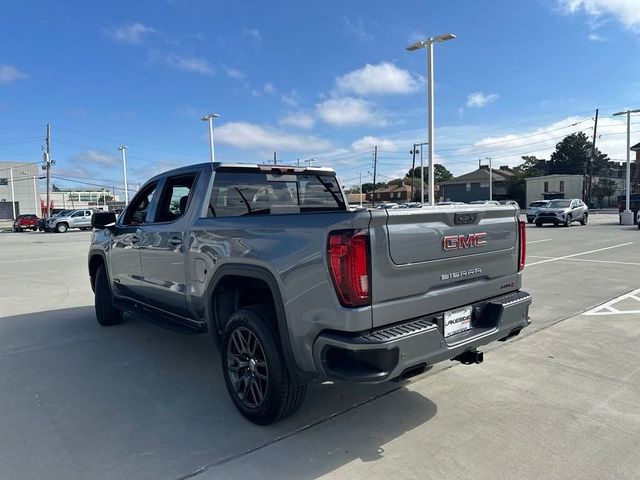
348	258
522	256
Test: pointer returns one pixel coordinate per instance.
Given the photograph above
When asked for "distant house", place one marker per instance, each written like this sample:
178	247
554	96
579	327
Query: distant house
475	185
391	193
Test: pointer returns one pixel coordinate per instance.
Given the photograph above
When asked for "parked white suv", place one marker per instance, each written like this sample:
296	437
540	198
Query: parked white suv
534	208
563	212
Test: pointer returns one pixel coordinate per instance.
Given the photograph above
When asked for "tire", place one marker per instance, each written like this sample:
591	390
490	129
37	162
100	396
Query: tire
254	367
585	219
529	221
538	224
568	220
106	313
62	228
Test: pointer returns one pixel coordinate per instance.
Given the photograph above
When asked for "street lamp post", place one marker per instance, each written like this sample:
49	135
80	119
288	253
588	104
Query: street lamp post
490	180
209	118
13	200
428	43
626	217
123	148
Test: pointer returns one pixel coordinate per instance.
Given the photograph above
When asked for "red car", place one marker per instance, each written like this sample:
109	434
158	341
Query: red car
25	222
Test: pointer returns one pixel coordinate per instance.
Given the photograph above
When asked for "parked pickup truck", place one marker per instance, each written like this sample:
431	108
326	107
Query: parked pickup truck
25	222
296	286
72	219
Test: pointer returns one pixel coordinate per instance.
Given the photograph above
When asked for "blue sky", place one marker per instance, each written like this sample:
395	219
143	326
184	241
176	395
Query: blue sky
324	80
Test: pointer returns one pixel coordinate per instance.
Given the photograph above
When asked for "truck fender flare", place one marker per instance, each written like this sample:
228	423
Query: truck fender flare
258	273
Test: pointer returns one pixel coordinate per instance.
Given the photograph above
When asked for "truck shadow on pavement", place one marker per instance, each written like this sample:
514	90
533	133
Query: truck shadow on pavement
139	401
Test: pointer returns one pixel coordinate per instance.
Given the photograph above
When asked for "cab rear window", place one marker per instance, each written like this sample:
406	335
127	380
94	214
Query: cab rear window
256	193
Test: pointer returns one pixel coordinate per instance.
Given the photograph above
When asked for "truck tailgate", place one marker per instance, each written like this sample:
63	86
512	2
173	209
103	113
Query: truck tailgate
434	259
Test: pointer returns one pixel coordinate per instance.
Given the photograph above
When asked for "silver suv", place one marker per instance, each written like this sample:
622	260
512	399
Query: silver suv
563	212
74	219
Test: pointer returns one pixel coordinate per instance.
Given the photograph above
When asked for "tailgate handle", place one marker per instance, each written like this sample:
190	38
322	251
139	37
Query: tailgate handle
465	218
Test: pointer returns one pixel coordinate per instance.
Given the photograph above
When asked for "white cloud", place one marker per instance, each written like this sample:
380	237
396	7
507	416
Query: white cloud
368	142
349	111
594	37
131	33
190	64
93	158
479	99
235	74
249	136
626	11
269	88
383	78
356	28
298	119
10	74
253	33
292	98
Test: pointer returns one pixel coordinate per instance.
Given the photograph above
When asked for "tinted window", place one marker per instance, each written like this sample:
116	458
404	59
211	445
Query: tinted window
255	193
175	197
559	203
137	210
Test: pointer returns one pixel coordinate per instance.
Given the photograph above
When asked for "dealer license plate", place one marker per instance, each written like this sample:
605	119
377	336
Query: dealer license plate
457	321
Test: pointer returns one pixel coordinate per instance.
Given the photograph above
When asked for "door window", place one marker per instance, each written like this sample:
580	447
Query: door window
175	198
136	213
78	214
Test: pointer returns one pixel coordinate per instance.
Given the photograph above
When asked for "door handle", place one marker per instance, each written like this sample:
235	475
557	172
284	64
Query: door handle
175	241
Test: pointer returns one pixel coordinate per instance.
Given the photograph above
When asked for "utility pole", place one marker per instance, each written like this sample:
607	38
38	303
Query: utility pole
360	191
413	173
593	154
123	148
490	180
35	197
298	162
47	167
275	157
375	165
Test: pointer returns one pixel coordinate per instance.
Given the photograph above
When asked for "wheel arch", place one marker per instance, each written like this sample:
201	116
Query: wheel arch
218	308
96	259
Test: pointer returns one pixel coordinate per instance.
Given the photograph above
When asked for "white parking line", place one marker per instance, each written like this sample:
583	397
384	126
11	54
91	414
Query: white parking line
588	260
539	241
607	308
555	259
18	260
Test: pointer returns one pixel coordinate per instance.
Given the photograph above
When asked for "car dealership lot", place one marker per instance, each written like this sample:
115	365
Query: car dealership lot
137	401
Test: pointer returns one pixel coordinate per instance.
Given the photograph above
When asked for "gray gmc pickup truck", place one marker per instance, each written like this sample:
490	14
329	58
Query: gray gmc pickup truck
297	286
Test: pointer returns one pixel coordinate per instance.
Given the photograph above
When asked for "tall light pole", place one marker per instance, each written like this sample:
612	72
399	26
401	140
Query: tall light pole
626	217
209	118
13	200
490	179
428	43
122	149
36	203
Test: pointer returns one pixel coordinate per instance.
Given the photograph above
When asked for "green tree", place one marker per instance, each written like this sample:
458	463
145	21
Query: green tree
529	166
397	181
440	171
571	154
603	189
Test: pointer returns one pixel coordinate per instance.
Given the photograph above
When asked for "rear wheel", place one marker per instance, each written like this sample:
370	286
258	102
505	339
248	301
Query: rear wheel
62	228
106	313
255	369
584	220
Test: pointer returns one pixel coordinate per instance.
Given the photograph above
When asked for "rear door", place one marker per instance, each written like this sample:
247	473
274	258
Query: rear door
162	246
435	259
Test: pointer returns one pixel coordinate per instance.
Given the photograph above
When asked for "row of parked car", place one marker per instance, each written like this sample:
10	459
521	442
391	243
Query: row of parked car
475	202
60	222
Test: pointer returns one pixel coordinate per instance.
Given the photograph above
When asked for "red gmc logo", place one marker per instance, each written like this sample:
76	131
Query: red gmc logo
456	242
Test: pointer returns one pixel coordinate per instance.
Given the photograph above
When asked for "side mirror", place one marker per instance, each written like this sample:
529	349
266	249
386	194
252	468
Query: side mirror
102	220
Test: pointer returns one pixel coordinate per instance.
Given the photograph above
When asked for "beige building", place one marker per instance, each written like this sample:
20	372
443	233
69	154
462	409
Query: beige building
549	187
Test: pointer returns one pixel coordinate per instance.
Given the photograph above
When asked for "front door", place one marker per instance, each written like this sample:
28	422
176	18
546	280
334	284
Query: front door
163	244
126	269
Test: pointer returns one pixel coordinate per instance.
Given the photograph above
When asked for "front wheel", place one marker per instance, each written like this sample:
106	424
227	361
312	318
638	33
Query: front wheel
61	228
254	367
106	313
538	224
568	220
584	220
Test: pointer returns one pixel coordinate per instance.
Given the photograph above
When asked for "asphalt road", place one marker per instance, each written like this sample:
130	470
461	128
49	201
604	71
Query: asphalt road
560	401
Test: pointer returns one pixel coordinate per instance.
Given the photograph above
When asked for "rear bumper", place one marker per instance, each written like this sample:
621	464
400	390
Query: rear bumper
386	353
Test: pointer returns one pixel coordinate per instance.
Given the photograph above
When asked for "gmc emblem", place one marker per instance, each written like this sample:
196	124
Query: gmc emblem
456	242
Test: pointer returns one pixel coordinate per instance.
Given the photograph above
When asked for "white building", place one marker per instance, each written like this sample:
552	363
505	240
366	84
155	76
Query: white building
549	187
22	195
72	198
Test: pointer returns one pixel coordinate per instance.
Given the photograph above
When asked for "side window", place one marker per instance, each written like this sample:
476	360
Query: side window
175	197
78	214
562	185
136	212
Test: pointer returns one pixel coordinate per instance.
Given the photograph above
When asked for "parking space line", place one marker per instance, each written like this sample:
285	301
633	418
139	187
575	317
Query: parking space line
588	260
555	259
607	308
38	259
540	241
